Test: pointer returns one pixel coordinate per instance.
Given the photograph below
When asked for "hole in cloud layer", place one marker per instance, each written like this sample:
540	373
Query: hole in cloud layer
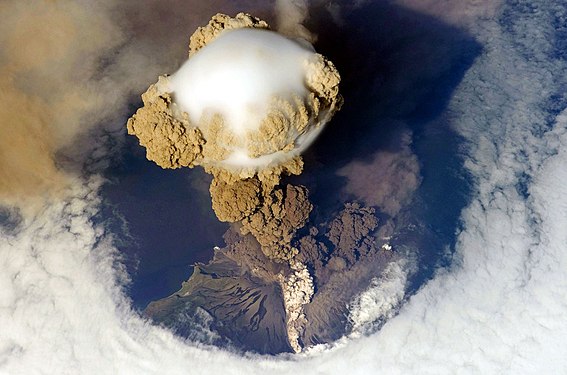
403	214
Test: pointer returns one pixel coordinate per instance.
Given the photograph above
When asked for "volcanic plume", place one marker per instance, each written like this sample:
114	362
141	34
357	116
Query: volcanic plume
245	105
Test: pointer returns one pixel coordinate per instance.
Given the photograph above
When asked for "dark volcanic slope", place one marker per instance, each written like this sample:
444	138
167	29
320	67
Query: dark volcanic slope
246	309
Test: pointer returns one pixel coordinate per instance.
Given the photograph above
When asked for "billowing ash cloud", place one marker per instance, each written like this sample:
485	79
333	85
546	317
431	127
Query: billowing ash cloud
246	100
499	309
245	105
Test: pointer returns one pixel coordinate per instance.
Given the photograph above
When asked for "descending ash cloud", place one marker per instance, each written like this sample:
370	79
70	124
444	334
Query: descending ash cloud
499	309
389	180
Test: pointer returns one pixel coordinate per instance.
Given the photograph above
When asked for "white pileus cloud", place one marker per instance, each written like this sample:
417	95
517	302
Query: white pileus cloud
238	74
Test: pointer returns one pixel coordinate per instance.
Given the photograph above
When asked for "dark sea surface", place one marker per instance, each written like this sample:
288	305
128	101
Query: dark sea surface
166	221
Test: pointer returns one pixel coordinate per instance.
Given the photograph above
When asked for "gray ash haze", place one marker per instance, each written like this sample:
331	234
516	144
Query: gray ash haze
450	148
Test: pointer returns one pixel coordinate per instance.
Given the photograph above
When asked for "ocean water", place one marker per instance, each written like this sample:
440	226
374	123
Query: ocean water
164	222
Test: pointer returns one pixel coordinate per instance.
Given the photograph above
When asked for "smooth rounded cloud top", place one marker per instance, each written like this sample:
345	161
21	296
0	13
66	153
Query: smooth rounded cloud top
238	74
